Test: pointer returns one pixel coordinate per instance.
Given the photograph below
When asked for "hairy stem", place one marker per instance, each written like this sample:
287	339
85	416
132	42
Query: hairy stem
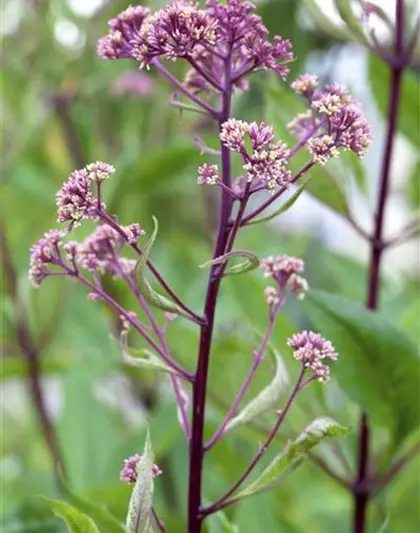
361	490
200	383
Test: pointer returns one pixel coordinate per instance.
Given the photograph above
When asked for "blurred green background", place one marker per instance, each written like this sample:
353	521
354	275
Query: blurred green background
62	107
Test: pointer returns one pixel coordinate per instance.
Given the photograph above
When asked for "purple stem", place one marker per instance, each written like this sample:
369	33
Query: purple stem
204	74
158	521
113	224
223	501
242	391
210	110
161	337
121	311
361	490
275	196
200	383
382	481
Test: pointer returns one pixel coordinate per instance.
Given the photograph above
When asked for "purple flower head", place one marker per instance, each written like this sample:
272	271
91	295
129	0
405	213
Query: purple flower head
335	119
75	200
311	349
124	31
100	251
129	472
208	174
286	271
244	34
266	161
302	125
175	32
45	252
99	171
322	148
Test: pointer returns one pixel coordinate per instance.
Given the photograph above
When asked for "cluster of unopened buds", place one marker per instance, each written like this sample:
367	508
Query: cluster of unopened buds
286	272
129	473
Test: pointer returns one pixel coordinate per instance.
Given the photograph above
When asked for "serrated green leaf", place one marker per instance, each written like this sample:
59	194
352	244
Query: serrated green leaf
151	296
378	364
379	77
250	262
76	521
294	453
139	518
267	398
102	517
287	204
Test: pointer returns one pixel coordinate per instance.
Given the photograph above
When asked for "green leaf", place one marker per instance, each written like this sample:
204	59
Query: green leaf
323	22
102	517
352	163
413	186
76	521
294	453
287	204
251	262
378	364
139	510
152	297
379	77
219	523
267	398
345	10
143	358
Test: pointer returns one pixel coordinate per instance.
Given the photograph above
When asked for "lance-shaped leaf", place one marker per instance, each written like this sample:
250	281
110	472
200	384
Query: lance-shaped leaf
76	521
250	262
323	22
287	204
354	23
267	398
100	514
295	452
152	297
139	516
142	358
219	523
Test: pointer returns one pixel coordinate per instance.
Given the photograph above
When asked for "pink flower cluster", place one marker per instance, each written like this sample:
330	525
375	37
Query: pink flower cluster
265	159
286	272
129	472
206	38
311	349
334	120
100	252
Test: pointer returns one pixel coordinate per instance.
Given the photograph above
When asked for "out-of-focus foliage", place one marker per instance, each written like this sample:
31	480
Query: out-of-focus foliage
61	110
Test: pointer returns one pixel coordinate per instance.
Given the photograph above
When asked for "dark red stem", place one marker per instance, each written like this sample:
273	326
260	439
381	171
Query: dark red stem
200	383
361	487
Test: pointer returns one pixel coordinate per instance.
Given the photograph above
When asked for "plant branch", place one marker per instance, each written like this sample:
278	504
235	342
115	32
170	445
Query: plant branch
105	217
258	357
380	482
200	383
210	110
361	489
282	415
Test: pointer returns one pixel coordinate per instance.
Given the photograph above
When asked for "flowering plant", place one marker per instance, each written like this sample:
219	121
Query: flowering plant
224	45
